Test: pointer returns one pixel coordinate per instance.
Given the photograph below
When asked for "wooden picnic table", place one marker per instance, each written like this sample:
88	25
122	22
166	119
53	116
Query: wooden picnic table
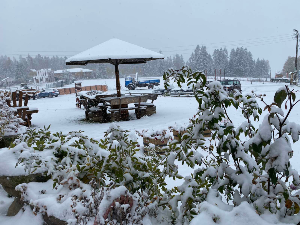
118	107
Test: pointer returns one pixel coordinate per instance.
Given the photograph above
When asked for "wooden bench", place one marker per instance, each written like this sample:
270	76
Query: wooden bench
97	114
144	109
23	112
129	108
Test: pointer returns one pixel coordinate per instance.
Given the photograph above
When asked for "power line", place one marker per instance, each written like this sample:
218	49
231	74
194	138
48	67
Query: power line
253	40
236	45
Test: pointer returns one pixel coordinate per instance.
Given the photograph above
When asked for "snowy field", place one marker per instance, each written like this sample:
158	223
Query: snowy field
62	114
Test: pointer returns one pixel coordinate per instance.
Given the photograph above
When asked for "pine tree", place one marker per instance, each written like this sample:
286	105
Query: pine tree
220	57
178	62
232	63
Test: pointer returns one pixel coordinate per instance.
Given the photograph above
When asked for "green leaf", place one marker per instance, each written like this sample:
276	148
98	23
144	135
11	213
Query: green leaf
279	97
293	96
272	175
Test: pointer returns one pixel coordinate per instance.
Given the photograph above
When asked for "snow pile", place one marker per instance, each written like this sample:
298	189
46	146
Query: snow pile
212	214
59	202
25	217
5	202
8	162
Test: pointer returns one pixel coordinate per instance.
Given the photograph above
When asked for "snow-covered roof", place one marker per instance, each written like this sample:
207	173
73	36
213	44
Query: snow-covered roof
114	49
74	70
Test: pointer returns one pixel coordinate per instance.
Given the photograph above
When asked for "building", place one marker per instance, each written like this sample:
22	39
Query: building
77	73
43	76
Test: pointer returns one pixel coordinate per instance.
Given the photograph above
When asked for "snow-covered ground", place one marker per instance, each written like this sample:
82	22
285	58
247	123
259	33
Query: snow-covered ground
62	114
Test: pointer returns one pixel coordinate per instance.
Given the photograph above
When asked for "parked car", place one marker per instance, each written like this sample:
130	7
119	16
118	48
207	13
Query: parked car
230	85
48	94
56	92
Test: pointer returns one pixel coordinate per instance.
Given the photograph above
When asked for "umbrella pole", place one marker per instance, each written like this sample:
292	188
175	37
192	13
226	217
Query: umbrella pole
117	80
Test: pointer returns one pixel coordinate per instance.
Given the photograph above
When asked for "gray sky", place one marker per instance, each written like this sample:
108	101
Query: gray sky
67	27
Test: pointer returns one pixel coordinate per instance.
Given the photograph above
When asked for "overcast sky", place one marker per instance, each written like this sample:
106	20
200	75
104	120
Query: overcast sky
67	27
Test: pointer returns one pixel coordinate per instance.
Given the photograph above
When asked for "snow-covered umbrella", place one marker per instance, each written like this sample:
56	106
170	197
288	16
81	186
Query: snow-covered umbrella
116	52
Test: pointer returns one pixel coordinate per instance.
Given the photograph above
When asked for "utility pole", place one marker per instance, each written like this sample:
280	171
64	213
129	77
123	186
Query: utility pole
296	35
297	38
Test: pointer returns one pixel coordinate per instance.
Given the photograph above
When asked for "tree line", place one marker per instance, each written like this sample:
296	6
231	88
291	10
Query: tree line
239	63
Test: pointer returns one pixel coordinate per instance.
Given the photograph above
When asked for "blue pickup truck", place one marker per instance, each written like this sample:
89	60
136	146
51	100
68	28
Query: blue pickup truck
131	83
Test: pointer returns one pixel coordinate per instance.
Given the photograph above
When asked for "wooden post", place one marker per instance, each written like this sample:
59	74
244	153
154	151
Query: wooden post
19	110
20	98
120	110
26	100
139	109
29	120
14	96
215	74
117	79
8	102
23	114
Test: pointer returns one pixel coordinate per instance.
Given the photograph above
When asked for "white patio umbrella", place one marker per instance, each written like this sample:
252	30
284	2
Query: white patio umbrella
116	52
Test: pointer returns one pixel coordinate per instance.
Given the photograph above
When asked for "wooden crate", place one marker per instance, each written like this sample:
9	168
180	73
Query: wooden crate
160	144
207	133
61	91
155	141
67	91
177	133
72	90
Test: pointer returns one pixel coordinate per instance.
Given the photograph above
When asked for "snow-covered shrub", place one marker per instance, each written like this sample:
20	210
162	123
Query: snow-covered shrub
74	161
10	124
242	163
